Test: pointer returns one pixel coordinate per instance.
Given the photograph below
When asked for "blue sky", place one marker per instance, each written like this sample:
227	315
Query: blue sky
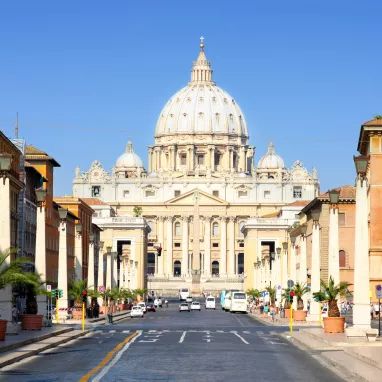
85	76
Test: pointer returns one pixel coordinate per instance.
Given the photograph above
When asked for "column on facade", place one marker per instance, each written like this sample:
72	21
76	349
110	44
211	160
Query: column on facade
40	259
78	255
115	269
132	274
63	265
293	270
231	246
100	272
315	272
361	309
160	259
136	276
334	261
185	266
153	160
109	275
276	271
284	268
303	268
223	247
207	246
150	159
91	281
169	270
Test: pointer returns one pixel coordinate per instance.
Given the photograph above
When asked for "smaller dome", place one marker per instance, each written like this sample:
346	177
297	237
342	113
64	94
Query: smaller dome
270	160
129	159
153	175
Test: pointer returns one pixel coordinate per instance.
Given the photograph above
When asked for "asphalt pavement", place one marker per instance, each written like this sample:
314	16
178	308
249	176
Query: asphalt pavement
168	345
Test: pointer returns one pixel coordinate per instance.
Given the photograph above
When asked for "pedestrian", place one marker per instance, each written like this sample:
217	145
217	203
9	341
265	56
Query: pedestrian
272	312
377	310
261	309
371	311
15	313
266	310
110	315
96	310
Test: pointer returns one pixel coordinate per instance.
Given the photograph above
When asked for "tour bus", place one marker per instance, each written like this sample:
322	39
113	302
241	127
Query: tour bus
238	302
222	298
227	300
183	294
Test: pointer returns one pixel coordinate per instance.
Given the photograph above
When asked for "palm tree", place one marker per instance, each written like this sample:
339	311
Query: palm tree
33	290
300	289
76	287
255	293
330	292
285	297
272	293
140	292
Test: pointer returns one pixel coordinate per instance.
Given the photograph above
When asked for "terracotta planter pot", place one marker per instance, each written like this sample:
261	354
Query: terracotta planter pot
3	329
77	314
31	321
334	324
276	310
114	308
299	315
121	307
287	313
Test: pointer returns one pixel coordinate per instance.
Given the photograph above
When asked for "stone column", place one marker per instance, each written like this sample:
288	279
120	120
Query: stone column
91	265
207	246
63	265
184	246
231	246
303	269
40	260
169	268
115	269
109	274
334	261
315	277
100	273
293	270
136	276
285	268
361	309
161	242
78	256
223	247
132	282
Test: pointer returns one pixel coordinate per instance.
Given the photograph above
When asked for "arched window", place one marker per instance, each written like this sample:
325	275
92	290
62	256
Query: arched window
342	256
215	268
215	229
151	225
240	263
150	263
177	229
177	268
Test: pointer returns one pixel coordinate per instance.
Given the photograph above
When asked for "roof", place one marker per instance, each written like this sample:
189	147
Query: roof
28	165
56	205
373	122
271	215
299	203
64	200
2	135
94	202
366	128
33	153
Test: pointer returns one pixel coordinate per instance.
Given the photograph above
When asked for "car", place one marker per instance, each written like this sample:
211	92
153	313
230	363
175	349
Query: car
136	311
195	305
150	307
189	299
184	306
158	302
210	302
143	306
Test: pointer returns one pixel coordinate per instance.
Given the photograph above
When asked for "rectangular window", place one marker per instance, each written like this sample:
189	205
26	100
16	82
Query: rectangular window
176	193
96	191
150	193
177	245
217	159
201	159
215	193
297	192
215	245
241	245
267	194
150	244
183	159
341	220
126	193
243	194
342	259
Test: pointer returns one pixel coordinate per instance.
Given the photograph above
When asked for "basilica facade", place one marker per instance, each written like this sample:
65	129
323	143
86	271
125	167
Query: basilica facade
200	187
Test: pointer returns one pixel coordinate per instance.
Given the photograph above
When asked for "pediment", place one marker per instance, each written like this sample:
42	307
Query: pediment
203	198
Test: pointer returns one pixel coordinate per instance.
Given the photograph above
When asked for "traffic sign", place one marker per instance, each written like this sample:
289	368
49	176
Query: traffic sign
49	288
290	283
378	291
101	289
279	287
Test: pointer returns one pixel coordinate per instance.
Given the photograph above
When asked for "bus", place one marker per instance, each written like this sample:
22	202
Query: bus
222	298
183	294
238	302
227	299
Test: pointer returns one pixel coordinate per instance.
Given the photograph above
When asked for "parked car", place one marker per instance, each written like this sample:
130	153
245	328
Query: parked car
195	305
150	307
143	306
184	306
189	299
210	302
136	311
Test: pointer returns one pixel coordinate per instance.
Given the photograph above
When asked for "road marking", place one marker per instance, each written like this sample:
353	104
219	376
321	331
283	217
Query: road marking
112	331
126	343
152	331
153	340
125	331
220	331
208	340
246	332
182	337
259	333
235	333
277	343
273	333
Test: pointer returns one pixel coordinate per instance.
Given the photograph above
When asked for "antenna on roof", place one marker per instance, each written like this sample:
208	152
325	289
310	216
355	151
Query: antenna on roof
17	126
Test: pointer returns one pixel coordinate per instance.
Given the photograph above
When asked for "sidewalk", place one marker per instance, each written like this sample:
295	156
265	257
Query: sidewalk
267	320
102	319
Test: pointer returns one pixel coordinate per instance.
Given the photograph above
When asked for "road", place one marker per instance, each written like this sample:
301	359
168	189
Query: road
171	346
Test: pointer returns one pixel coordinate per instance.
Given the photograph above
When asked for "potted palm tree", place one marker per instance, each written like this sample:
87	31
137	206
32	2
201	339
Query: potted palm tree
76	287
272	294
140	292
12	274
330	292
285	298
300	289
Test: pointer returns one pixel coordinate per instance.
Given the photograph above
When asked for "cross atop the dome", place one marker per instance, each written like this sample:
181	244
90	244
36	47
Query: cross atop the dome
201	39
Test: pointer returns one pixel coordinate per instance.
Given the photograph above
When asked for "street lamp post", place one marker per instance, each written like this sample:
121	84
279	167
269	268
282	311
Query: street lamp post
334	263
303	260
272	256
78	252
62	259
285	265
109	275
91	281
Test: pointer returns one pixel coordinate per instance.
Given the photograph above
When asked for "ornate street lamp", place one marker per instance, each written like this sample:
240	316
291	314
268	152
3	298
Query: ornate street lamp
91	238
40	196
334	196
5	164
63	212
303	229
315	215
278	250
79	228
108	249
285	245
293	240
361	163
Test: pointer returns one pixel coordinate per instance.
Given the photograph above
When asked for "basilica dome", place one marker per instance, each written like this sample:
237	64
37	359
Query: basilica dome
271	160
201	107
129	160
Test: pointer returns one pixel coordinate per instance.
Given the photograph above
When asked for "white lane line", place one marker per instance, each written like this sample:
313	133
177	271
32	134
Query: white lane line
116	358
237	335
112	331
182	337
220	331
259	333
125	331
152	331
273	333
246	332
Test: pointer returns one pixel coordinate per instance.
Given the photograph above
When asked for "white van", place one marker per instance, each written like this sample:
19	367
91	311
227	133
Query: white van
210	302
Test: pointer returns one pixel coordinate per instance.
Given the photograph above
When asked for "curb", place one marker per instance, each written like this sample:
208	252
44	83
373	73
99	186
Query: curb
29	341
31	353
362	358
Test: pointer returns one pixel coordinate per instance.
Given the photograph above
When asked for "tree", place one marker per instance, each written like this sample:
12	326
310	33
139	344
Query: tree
272	293
255	293
285	297
32	290
76	287
137	211
330	292
140	292
299	291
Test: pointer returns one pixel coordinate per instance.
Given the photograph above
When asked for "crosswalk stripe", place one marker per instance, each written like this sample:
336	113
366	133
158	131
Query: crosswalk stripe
273	333
259	332
220	331
125	331
246	332
112	331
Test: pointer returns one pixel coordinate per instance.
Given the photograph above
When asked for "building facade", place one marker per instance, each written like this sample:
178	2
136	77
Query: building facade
201	186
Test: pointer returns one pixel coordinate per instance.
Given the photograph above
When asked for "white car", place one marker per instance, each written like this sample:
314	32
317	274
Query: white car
143	306
136	311
189	299
158	302
184	306
195	305
210	302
